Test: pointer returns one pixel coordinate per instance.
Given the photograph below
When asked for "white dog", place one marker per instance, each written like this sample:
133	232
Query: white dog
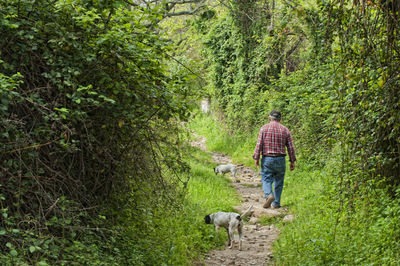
230	221
226	168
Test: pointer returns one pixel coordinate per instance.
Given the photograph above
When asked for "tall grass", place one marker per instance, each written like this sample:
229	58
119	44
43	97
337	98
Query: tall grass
211	192
239	147
330	230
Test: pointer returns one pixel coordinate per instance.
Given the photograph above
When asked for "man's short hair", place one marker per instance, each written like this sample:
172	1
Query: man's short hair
275	115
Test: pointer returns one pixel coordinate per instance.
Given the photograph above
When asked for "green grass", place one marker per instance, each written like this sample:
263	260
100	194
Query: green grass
240	148
206	193
267	220
212	192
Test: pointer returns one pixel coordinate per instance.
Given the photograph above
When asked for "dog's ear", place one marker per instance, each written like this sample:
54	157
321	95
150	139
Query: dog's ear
207	219
215	172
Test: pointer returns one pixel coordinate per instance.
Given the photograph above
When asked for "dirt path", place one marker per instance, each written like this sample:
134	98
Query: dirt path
257	239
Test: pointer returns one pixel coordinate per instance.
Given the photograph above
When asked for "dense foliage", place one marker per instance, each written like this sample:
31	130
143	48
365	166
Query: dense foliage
90	149
332	69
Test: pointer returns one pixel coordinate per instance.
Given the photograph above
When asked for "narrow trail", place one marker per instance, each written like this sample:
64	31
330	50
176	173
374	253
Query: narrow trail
257	239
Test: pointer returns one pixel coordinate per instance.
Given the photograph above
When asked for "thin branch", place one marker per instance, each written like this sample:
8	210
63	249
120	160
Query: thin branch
186	2
191	71
50	208
32	146
186	12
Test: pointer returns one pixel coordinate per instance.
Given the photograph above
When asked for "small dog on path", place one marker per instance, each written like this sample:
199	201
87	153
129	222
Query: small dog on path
230	221
227	168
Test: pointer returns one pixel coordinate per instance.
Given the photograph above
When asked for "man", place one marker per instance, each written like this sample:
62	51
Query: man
271	143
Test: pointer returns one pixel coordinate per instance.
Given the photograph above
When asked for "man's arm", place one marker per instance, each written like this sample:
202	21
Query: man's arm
291	152
258	149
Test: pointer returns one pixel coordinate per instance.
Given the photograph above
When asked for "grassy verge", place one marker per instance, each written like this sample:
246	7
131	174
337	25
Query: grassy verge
206	193
211	192
240	148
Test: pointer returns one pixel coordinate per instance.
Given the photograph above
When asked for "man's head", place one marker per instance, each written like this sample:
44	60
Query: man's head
275	115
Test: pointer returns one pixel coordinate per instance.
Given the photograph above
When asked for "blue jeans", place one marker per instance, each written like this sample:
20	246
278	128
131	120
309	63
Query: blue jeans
273	171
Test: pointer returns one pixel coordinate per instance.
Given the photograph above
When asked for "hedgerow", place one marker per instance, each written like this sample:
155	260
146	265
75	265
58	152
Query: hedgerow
90	156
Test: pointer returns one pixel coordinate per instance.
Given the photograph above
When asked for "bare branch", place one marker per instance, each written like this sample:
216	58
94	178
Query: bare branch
169	5
186	12
131	3
186	2
167	2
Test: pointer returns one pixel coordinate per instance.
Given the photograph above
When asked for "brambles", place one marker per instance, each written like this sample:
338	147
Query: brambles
86	113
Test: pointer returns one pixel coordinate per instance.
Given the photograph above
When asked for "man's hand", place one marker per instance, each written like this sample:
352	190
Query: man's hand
292	166
256	163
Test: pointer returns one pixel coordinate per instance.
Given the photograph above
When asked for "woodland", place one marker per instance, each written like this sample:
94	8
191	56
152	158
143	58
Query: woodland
96	96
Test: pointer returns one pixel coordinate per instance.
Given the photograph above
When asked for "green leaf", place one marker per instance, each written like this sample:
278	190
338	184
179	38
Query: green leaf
14	253
32	249
63	110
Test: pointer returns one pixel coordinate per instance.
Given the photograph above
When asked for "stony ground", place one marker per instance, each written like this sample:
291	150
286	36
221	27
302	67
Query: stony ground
257	239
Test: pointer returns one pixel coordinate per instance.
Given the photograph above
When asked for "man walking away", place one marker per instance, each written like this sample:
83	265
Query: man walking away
272	140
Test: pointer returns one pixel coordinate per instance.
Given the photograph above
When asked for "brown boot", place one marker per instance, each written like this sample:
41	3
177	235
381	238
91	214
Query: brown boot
269	201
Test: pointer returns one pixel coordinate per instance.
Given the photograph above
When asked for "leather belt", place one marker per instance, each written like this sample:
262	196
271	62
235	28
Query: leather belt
274	155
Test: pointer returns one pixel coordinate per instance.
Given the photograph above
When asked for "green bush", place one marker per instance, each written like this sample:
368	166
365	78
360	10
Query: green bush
89	127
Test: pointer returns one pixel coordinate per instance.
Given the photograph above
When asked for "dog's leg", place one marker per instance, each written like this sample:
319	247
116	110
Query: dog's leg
240	230
217	229
229	238
234	176
231	235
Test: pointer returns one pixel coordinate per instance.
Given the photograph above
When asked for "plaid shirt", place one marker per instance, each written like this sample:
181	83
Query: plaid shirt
272	139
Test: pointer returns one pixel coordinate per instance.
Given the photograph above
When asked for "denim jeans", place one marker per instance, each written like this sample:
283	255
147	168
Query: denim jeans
273	171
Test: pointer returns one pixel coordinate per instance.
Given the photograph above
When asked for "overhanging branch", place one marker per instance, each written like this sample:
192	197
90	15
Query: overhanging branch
186	12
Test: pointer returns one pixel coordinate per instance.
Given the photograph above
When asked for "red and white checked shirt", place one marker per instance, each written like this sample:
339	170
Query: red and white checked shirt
272	140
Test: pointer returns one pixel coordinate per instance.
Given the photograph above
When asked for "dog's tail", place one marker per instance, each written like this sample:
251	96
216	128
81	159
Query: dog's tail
247	212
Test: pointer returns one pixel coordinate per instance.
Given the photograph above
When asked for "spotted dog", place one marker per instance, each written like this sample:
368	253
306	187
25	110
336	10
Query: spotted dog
230	221
227	168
